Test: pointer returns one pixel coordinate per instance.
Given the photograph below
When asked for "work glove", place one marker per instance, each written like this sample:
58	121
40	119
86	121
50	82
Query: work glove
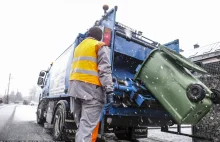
110	100
109	103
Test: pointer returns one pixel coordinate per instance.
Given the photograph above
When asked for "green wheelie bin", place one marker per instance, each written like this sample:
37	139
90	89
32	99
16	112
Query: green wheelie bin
167	75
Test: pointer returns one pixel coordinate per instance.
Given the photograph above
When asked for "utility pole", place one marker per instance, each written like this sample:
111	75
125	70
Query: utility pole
5	101
8	88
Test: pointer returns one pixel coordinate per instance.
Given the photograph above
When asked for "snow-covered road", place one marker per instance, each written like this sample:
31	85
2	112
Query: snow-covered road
18	122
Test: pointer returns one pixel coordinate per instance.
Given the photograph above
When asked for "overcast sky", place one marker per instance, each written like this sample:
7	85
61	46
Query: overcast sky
34	33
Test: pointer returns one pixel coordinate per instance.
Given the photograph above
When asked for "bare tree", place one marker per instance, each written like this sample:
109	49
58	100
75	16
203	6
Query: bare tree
5	99
32	93
12	96
18	96
1	100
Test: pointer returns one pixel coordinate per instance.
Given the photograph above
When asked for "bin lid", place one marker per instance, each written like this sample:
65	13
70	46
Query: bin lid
181	60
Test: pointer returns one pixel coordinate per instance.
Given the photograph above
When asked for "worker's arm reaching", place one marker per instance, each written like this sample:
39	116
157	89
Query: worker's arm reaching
105	72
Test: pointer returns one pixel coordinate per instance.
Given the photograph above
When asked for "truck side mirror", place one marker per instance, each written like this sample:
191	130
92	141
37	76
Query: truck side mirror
40	81
42	74
41	78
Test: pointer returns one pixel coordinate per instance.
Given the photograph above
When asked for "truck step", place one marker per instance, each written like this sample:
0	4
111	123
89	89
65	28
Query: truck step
69	120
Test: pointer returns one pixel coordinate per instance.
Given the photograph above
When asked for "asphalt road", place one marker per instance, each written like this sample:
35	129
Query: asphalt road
18	123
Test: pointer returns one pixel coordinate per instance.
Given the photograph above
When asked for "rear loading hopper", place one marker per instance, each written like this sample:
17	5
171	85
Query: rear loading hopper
166	75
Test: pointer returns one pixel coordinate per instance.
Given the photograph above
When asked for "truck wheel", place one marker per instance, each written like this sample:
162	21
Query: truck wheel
209	126
58	124
39	119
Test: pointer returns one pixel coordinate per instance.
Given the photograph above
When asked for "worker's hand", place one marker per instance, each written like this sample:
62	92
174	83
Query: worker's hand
110	100
110	97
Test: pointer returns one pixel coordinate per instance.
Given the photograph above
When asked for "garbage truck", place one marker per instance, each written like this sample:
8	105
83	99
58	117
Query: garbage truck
154	86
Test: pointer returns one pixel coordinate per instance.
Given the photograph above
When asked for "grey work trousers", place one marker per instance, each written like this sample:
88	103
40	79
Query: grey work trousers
87	116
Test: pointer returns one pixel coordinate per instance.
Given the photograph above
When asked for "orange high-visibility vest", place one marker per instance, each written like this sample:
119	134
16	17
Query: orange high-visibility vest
84	65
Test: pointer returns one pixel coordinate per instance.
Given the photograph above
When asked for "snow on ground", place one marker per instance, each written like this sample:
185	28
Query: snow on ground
25	113
157	134
5	114
24	126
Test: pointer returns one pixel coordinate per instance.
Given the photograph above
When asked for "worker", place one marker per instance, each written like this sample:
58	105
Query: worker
90	84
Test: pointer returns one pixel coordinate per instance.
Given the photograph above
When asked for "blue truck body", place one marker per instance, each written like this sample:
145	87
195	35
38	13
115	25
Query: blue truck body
128	51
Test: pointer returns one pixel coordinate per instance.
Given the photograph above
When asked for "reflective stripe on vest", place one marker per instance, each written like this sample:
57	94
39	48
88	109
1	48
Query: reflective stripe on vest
85	58
85	72
84	64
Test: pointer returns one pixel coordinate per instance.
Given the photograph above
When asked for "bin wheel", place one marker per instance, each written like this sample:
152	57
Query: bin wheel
195	93
216	93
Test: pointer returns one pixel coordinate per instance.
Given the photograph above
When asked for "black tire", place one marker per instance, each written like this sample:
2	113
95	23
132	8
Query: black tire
209	126
40	119
216	93
195	93
58	124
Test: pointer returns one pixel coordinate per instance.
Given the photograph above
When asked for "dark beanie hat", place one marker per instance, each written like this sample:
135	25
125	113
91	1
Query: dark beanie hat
95	32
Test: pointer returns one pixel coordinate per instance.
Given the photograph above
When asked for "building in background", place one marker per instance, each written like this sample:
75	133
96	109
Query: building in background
205	54
208	57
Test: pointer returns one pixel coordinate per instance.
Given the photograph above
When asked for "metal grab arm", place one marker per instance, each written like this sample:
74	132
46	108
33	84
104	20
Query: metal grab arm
131	88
